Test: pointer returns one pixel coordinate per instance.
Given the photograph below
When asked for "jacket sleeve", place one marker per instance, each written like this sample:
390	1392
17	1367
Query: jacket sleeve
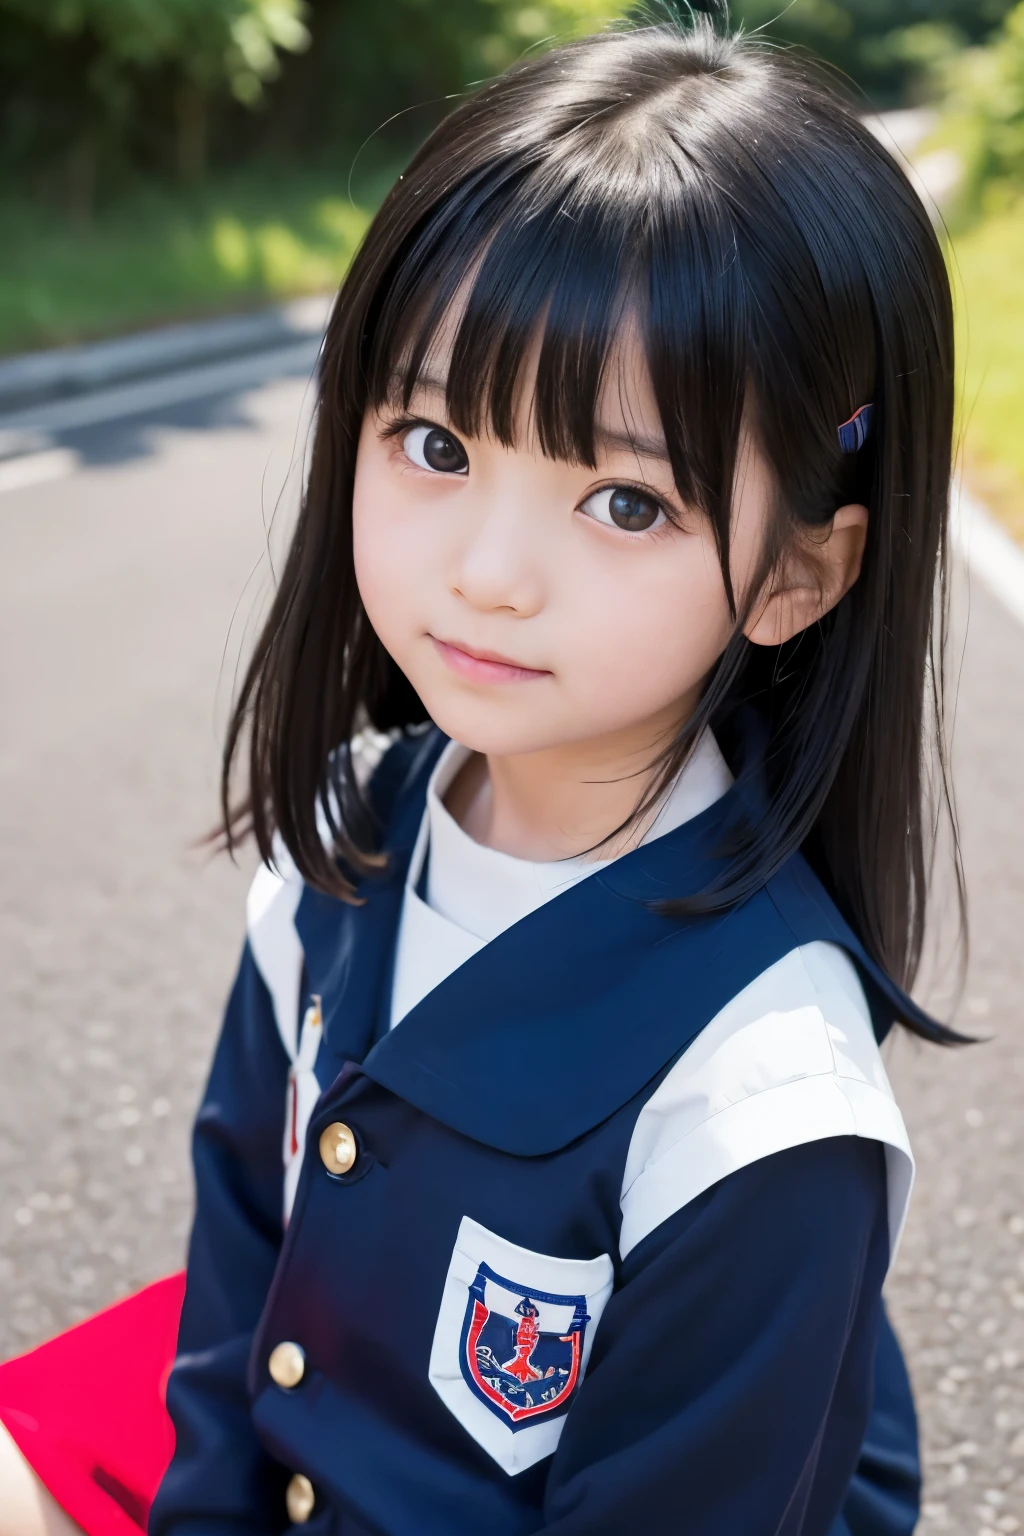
884	1498
731	1378
220	1478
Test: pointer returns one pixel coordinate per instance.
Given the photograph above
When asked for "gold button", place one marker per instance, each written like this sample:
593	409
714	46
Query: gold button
337	1148
299	1499
287	1364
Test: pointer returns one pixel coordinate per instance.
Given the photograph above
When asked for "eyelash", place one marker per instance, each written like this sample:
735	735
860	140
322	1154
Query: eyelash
402	424
672	518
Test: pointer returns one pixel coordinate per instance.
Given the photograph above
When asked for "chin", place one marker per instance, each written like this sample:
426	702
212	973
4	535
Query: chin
491	728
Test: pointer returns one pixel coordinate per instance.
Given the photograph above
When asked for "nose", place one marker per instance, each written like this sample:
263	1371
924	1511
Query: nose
497	564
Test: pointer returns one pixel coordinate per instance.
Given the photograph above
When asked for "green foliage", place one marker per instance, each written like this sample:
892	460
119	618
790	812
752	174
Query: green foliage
888	47
984	104
88	81
215	42
987	263
160	255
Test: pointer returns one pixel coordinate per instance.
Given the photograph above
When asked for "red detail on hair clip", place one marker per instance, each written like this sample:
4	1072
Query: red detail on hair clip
853	433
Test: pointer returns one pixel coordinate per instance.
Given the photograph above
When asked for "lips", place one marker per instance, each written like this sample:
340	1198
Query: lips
484	666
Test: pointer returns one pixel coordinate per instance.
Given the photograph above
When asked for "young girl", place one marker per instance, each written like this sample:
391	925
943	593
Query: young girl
548	1173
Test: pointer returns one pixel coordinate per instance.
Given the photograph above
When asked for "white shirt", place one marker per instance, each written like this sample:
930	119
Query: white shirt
474	893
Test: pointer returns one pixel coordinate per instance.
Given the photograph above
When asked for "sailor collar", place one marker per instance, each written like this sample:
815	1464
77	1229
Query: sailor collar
597	987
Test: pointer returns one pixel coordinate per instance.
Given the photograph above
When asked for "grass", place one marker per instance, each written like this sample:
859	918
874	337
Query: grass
988	272
160	254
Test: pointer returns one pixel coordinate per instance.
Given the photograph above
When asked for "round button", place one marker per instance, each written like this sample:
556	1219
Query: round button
287	1364
299	1498
337	1148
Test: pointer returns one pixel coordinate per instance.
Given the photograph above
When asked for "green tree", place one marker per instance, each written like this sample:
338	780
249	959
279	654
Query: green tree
83	72
402	64
984	102
888	47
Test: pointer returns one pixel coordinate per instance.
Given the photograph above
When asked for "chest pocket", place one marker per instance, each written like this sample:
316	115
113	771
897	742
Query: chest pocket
512	1341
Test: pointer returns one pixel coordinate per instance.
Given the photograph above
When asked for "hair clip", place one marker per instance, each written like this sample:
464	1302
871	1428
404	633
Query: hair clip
853	433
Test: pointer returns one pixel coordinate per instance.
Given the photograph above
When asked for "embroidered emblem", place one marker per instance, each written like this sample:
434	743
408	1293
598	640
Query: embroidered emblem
510	1355
522	1349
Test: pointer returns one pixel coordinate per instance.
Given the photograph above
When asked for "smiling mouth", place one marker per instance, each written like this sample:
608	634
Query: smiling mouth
484	666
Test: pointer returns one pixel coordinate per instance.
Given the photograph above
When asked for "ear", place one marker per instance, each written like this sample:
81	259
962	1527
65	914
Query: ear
821	567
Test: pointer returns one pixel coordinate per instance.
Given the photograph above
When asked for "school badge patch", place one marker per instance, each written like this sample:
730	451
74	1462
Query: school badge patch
513	1337
522	1348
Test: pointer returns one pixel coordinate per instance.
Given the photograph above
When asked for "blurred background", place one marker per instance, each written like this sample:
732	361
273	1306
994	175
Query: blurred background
174	158
182	184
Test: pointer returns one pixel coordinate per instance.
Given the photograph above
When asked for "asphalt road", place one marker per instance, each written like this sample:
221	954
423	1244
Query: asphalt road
127	586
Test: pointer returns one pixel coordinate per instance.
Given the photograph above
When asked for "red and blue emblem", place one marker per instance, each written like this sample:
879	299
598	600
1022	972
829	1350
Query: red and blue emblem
522	1349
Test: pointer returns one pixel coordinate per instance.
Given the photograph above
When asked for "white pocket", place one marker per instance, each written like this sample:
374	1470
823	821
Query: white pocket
512	1341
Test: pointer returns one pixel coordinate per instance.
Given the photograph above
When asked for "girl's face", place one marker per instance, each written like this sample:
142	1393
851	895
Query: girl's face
534	603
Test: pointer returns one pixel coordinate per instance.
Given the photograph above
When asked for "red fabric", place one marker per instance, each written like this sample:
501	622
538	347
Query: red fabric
87	1409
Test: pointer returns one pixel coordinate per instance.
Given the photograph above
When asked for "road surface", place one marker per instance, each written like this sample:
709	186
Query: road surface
131	572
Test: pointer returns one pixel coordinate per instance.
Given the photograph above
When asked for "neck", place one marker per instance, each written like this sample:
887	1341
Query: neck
565	800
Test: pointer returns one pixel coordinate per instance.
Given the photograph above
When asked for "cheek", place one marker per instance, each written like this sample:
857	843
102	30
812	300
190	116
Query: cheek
651	632
384	547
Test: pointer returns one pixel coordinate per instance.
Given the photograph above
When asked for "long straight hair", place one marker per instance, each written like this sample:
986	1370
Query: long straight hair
781	272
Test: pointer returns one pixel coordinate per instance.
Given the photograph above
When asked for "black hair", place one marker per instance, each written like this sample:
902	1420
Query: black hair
782	272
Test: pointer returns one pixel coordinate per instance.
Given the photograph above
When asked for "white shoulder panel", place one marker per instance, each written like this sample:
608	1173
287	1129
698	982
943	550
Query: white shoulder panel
274	900
272	903
791	1059
270	916
270	920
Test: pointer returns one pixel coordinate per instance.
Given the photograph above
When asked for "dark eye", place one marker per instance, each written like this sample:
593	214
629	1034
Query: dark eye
623	506
435	449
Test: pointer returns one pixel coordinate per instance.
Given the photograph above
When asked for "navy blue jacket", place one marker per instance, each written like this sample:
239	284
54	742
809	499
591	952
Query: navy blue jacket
477	1354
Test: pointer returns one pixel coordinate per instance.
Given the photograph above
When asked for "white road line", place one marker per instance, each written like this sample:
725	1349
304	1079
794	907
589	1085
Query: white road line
35	468
989	552
145	395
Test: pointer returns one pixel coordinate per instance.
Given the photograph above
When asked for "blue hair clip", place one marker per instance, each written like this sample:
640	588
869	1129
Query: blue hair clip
853	433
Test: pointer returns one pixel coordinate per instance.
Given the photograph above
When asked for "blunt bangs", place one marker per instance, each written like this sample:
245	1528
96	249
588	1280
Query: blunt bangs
543	268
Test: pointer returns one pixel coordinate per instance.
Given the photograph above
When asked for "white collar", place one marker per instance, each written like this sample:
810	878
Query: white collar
484	891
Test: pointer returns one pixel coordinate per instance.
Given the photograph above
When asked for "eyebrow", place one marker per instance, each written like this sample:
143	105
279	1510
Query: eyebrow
642	447
426	384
